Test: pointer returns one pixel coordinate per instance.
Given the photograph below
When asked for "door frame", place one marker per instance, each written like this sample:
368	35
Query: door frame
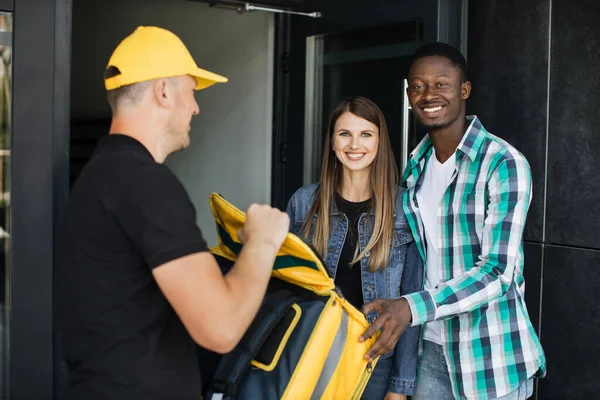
40	165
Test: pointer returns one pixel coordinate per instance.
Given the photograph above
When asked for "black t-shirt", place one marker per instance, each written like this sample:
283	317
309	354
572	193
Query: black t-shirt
121	338
348	276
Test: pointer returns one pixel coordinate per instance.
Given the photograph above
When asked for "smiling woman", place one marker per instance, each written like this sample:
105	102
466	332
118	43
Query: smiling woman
358	165
355	145
354	218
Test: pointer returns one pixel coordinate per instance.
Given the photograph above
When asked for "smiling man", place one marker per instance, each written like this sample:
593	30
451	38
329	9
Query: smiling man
468	193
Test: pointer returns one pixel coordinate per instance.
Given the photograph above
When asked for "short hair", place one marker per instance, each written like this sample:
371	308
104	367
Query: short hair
126	95
442	50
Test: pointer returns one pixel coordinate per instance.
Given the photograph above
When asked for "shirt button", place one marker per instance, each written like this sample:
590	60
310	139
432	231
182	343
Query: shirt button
369	287
367	254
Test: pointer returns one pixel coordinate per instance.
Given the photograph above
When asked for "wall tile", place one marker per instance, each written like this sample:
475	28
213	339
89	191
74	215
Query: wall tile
571	323
574	141
508	69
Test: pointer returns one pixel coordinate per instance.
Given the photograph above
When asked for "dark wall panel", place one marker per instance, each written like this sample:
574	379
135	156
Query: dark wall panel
62	82
31	335
574	141
7	5
570	324
508	68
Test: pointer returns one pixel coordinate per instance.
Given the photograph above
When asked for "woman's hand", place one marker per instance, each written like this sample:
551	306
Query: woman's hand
394	396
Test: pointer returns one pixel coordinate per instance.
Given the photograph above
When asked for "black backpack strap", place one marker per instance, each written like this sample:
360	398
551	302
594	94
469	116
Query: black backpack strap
233	365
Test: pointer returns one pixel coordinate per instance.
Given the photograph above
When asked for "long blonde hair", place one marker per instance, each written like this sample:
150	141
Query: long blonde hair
384	184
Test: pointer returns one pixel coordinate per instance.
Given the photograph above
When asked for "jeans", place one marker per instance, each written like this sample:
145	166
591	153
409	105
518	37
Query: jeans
380	380
434	380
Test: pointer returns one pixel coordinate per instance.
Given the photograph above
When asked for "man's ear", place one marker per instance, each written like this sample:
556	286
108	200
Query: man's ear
465	90
163	93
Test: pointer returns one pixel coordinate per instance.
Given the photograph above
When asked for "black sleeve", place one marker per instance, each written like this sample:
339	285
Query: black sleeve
158	216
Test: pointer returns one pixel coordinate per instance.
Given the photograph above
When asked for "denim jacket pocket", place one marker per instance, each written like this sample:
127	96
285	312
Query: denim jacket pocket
398	257
403	236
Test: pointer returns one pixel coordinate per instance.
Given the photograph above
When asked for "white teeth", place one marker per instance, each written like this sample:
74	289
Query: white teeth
432	109
355	156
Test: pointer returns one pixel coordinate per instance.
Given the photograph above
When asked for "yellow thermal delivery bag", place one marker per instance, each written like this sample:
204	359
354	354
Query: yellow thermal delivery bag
303	343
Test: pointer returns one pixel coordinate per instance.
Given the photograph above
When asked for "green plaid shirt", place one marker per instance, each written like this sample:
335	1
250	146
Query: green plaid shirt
488	339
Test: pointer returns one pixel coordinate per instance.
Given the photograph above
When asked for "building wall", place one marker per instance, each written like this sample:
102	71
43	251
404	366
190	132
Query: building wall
533	66
230	150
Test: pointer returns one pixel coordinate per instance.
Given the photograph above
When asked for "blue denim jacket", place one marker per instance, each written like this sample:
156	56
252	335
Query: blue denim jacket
403	274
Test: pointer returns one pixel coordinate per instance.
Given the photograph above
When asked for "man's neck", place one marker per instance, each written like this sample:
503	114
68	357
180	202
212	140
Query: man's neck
141	129
445	140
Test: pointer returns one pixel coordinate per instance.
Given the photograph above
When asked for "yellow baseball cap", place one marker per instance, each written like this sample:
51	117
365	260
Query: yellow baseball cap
150	53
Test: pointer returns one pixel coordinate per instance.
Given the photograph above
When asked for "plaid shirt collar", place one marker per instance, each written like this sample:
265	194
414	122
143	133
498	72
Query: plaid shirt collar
470	143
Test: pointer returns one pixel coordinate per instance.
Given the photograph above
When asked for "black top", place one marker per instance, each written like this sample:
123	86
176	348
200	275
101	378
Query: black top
121	338
348	277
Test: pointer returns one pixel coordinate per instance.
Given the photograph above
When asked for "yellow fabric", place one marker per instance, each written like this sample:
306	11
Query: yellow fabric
232	219
305	278
306	374
150	53
352	371
352	367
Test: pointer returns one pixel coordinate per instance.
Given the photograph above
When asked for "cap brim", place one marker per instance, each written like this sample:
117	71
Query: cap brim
205	78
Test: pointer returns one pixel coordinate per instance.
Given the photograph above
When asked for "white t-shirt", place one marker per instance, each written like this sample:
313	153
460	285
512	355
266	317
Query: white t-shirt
435	182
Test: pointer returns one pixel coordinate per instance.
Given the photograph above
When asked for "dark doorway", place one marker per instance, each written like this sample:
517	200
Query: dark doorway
353	49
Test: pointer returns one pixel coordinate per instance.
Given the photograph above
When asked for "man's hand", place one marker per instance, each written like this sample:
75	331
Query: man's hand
265	225
394	396
394	317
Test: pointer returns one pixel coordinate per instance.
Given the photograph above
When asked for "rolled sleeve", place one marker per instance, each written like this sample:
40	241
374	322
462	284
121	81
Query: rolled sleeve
422	307
402	387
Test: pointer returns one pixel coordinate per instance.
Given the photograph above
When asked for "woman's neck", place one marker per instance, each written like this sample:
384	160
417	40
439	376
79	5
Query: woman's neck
356	185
